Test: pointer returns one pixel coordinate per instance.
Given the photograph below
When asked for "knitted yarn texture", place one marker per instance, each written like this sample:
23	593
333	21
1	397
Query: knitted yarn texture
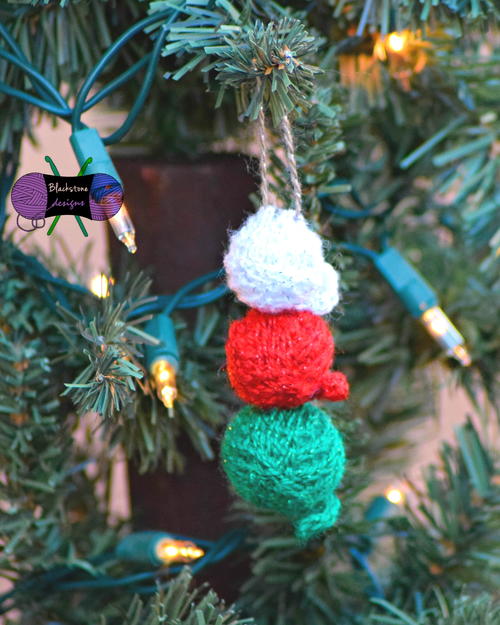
289	461
283	360
275	262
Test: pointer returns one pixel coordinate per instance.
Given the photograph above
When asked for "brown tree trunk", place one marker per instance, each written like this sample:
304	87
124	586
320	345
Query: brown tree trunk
182	213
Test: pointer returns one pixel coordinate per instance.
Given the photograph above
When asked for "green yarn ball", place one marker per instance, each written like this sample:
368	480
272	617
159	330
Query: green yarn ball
289	461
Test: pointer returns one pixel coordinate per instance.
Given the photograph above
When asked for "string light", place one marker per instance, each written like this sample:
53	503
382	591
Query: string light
401	53
405	52
88	143
163	374
379	508
162	358
157	548
169	551
124	229
406	45
99	285
396	42
394	495
422	302
446	334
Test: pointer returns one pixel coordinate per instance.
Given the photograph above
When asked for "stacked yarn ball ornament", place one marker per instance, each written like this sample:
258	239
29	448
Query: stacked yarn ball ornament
290	461
275	262
281	452
283	360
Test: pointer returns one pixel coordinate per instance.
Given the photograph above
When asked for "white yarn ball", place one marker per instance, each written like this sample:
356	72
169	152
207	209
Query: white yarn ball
275	262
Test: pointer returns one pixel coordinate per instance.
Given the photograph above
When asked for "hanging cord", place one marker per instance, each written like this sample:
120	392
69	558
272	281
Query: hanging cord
263	159
286	131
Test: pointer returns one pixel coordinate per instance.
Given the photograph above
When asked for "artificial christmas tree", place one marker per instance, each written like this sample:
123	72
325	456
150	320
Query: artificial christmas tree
392	108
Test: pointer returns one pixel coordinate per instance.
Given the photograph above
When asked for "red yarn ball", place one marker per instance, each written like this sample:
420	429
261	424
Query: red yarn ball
283	360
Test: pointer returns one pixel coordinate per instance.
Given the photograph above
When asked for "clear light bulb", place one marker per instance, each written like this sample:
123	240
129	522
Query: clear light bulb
445	333
99	285
124	229
163	374
395	496
396	42
169	550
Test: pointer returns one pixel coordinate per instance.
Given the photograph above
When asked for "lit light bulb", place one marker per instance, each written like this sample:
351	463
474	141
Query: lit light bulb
396	42
169	550
395	496
442	329
124	229
156	548
163	373
420	299
379	51
99	285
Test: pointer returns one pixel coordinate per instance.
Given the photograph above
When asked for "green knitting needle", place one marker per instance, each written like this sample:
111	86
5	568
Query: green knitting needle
55	171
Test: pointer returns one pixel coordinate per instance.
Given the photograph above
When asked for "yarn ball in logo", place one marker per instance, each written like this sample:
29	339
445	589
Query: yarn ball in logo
283	359
289	461
275	262
32	198
29	196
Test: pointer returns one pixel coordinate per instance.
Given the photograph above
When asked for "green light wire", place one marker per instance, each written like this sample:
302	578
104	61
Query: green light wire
33	73
53	580
162	303
187	288
117	82
144	90
359	250
31	99
39	81
59	106
95	99
108	55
